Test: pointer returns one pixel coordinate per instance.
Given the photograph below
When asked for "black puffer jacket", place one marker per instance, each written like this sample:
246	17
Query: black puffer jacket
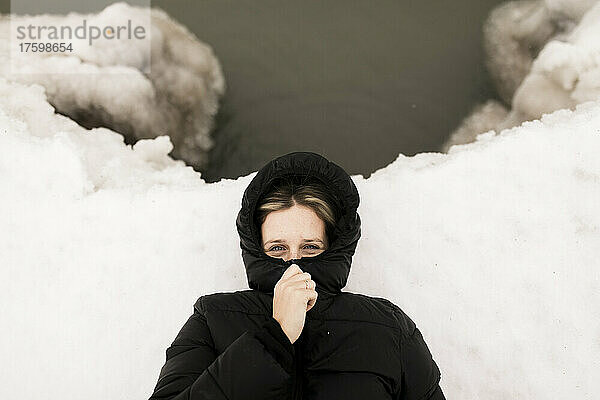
352	346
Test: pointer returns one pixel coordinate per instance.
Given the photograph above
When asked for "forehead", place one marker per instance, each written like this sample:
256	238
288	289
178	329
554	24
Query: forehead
297	222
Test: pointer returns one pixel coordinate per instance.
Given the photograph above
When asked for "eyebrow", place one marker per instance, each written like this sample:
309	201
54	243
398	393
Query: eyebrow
304	241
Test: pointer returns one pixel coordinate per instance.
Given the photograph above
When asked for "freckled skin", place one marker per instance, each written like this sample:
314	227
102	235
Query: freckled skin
292	226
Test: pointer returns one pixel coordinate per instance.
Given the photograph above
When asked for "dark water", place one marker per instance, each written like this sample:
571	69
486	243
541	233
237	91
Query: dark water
357	81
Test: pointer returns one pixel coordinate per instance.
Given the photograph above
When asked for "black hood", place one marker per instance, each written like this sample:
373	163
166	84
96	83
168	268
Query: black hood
329	269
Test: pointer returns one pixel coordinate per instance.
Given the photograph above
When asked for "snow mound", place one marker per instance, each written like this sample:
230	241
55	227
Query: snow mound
543	56
492	249
167	84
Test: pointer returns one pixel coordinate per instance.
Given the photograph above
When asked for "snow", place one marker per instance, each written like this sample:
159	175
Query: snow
566	72
491	249
543	56
166	84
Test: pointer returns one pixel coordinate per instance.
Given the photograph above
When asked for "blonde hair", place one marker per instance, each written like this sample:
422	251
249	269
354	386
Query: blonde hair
313	195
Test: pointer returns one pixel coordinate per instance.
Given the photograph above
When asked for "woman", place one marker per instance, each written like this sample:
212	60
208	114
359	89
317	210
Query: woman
295	334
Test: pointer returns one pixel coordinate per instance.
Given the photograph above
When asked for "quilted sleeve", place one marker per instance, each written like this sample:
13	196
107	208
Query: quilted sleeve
257	365
420	373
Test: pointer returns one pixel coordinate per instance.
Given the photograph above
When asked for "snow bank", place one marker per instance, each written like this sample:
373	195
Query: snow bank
543	56
564	74
167	84
516	31
491	249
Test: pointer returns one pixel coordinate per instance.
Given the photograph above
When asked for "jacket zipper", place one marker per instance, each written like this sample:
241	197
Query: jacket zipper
297	395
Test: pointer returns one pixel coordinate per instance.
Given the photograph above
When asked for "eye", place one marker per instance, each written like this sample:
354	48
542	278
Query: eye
313	246
273	248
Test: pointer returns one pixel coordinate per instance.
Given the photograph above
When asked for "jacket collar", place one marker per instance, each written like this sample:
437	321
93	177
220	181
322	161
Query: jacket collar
329	269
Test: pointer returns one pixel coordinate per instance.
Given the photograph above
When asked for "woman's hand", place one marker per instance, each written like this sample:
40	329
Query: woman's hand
291	300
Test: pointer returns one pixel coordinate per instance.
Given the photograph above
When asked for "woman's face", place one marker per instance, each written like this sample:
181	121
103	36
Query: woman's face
295	232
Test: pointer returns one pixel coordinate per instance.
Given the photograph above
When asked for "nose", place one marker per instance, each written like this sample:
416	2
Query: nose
292	255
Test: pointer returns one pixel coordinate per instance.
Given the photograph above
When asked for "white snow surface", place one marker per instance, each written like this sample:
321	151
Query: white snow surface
168	83
491	249
566	72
